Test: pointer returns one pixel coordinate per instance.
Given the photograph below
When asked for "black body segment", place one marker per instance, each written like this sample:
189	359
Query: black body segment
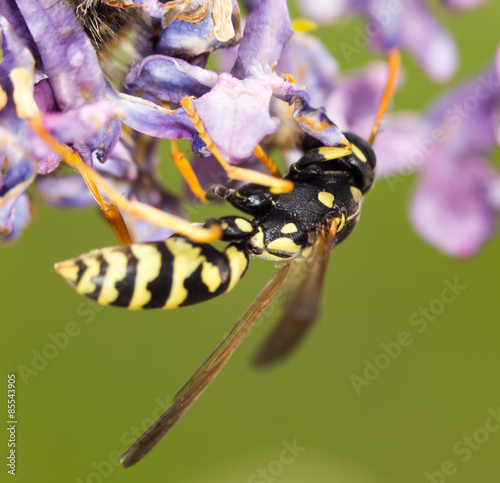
168	274
328	188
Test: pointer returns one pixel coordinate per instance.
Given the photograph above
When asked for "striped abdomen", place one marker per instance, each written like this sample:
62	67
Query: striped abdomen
167	274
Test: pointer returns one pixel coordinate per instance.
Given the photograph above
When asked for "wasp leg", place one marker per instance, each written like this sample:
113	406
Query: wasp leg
73	159
168	274
262	156
136	209
187	172
277	185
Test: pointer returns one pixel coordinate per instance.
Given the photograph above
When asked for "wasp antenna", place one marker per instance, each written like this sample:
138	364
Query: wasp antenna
394	63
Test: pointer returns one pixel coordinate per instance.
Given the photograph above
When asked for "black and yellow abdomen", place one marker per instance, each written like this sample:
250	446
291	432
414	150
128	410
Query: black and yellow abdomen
167	274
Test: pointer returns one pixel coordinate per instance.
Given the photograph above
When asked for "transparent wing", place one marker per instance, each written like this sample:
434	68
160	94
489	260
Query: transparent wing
205	374
301	294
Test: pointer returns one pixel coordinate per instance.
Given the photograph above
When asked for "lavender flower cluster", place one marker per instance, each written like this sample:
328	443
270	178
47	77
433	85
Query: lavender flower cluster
274	86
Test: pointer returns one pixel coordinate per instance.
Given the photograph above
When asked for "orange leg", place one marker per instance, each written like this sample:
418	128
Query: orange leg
267	162
187	172
135	209
277	185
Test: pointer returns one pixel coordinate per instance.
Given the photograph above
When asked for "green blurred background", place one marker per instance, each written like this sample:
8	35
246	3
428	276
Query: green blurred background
79	412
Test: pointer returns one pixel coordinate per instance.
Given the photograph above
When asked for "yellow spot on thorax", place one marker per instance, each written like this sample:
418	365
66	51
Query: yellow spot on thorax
356	194
258	239
326	198
289	228
284	245
358	153
244	225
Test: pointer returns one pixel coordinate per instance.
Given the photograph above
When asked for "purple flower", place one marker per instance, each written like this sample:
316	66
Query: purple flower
234	107
66	87
406	24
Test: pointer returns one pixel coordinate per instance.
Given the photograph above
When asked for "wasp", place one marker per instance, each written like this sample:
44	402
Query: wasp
299	228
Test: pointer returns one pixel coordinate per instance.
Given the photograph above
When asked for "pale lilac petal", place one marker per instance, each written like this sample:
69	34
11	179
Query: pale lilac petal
148	118
400	145
236	114
267	31
433	47
120	163
44	96
460	5
451	207
16	175
82	125
323	12
14	55
64	191
311	64
316	123
21	215
48	164
67	54
10	11
467	115
355	102
169	79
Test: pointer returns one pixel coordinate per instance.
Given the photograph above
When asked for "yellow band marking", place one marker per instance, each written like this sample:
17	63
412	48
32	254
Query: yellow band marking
117	270
326	198
210	276
148	268
186	260
237	263
69	270
289	228
93	268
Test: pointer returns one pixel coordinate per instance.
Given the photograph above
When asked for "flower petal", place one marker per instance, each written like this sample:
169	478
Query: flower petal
267	31
169	79
451	207
191	37
236	115
66	52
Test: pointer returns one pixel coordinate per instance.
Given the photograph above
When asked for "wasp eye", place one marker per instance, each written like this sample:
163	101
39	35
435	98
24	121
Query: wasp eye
361	149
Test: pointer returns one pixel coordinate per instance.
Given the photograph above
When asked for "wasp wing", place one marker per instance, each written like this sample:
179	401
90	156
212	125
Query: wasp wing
301	294
205	374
